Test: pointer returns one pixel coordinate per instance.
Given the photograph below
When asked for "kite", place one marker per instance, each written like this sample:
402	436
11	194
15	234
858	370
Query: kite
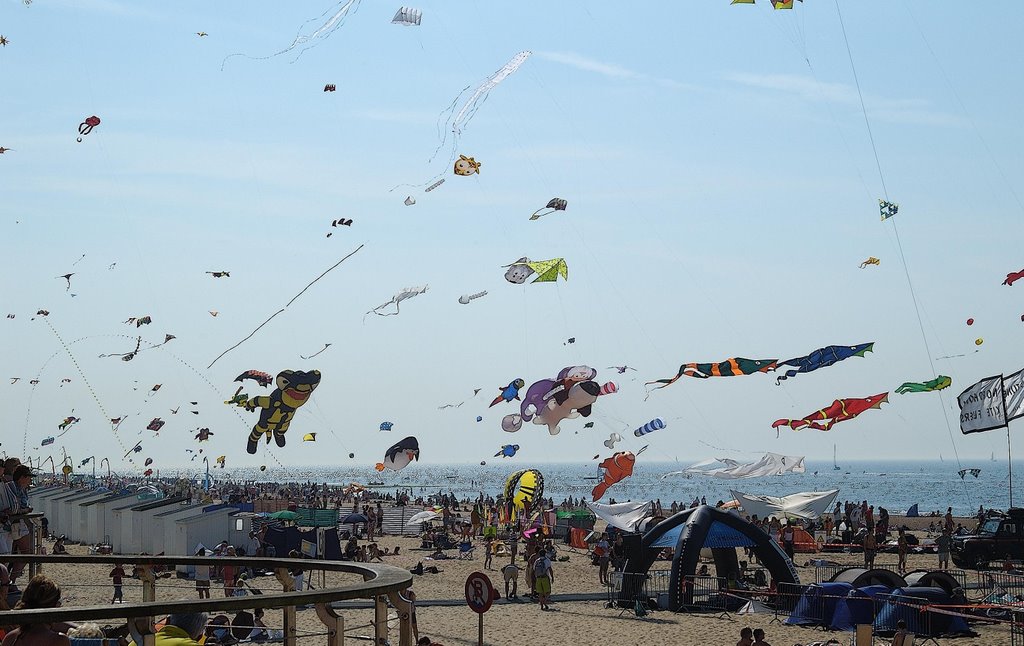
67	277
341	223
979	341
466	166
147	473
570	341
782	4
221	459
86	126
476	391
409	200
262	378
386	426
201	34
507	451
823	358
554	204
939	383
294	388
326	345
263	467
214	313
139	321
729	368
63	381
406	293
155	388
294	298
220	274
42	312
621	369
655	424
309	40
1013	277
68	422
15	380
47	441
309	437
610	442
887	209
4	150
608	389
522	488
479	418
135	449
840	411
616	468
466	298
148	462
3	41
509	392
870	261
548	401
432	186
155	424
330	87
407	17
973	472
547	271
588	425
10	316
168	338
970	322
203	434
400	455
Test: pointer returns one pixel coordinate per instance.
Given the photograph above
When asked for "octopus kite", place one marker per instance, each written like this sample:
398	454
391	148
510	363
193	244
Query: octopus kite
823	358
729	368
840	411
86	126
293	390
939	383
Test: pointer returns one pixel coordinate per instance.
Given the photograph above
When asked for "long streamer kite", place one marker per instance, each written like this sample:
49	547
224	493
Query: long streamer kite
729	368
341	11
823	358
294	298
840	411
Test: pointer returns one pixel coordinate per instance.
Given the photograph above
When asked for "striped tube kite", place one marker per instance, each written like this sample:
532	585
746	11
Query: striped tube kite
729	368
840	411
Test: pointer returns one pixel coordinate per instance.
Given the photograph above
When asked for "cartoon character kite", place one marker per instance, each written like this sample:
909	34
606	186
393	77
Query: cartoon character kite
870	261
400	455
616	468
547	271
466	166
294	388
734	367
823	358
509	392
549	401
939	383
840	411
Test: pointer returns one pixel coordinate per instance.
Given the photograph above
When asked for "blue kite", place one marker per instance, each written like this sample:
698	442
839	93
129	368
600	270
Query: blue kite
822	358
507	451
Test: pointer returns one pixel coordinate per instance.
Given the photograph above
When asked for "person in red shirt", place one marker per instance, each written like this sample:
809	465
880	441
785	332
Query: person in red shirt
117	575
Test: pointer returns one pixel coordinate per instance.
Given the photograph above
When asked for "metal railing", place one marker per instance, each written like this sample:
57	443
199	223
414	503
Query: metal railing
705	594
1017	628
911	610
381	583
626	588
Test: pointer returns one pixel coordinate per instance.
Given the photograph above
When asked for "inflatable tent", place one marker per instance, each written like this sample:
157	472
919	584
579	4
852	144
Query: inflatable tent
858	607
904	603
817	604
689	531
859	577
932	579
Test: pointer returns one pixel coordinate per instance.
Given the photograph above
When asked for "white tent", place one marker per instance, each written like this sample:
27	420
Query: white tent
771	464
808	505
625	515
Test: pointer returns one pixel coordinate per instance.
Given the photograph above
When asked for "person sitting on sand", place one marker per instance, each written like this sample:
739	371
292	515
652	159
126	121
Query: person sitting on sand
759	638
746	637
40	592
58	546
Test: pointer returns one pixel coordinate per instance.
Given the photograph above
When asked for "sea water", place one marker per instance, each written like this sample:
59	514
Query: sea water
895	485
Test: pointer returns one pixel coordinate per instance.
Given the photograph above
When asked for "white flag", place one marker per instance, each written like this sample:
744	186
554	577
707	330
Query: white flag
1013	392
982	407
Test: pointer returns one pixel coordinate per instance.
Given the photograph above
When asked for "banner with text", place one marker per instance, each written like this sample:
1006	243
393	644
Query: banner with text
982	406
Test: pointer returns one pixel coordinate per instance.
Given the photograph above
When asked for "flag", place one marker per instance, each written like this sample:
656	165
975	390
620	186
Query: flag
982	406
1013	393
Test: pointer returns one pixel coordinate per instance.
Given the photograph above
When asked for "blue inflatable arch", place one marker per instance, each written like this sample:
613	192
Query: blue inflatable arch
693	529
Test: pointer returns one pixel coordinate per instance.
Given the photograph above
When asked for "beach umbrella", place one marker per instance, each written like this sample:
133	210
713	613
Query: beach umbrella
423	517
352	519
284	515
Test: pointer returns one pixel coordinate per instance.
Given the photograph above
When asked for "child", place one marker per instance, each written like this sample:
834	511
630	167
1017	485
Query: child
488	552
202	577
117	575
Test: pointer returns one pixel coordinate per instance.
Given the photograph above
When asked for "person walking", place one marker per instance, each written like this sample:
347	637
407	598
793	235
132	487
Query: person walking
943	543
901	548
543	577
117	576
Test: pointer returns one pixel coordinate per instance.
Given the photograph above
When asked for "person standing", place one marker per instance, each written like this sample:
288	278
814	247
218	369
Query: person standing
488	552
202	577
543	577
870	549
943	542
789	541
901	548
229	572
601	551
117	576
371	522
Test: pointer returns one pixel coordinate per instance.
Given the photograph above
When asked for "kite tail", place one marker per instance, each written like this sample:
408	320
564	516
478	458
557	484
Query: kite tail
665	382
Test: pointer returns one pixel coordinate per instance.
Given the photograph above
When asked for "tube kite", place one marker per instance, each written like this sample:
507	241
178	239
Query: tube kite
939	383
729	368
822	358
840	411
1013	277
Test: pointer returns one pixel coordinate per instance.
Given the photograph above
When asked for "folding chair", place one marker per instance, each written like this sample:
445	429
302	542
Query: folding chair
466	550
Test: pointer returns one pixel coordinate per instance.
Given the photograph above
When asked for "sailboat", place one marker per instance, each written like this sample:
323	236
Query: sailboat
835	465
993	458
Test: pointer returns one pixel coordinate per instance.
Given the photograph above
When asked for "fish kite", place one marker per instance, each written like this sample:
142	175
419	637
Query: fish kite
1013	277
887	209
939	383
840	411
509	392
406	293
729	368
973	472
507	451
554	204
294	387
823	358
86	126
547	271
870	261
616	468
400	455
610	442
262	378
466	298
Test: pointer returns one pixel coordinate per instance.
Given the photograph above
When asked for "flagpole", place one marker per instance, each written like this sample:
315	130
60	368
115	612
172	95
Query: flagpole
1009	462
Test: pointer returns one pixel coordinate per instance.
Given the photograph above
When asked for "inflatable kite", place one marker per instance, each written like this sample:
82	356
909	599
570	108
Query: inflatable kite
1013	277
407	17
466	298
655	424
973	472
400	455
294	388
406	293
147	472
329	22
522	489
507	451
262	378
466	166
47	441
870	261
148	462
86	126
547	271
840	411
203	434
386	426
509	392
554	204
939	383
155	424
823	358
610	442
616	468
137	321
221	460
729	368
548	401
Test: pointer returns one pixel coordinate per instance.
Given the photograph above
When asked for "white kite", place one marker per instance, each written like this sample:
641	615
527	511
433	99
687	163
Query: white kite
771	464
406	293
341	11
407	17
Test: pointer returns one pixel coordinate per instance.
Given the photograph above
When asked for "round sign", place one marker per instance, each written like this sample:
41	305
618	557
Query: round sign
66	469
479	592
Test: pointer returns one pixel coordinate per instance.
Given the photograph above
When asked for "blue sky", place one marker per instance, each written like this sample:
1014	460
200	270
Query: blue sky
722	192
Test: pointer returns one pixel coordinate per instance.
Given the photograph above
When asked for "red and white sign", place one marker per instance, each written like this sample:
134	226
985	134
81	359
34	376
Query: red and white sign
479	592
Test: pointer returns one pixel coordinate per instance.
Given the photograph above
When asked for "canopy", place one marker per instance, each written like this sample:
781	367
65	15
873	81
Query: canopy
771	464
807	505
719	535
423	517
624	515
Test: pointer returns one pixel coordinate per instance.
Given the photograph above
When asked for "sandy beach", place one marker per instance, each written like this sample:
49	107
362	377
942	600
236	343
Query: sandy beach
514	623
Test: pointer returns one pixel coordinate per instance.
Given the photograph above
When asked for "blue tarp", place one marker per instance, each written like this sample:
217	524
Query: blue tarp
858	607
719	535
818	603
903	604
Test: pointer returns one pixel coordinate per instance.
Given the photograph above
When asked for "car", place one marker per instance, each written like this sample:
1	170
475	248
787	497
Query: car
1000	538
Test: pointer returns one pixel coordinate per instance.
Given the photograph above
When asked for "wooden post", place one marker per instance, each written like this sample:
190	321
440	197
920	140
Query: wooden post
148	579
147	629
288	612
334	622
37	548
380	621
404	618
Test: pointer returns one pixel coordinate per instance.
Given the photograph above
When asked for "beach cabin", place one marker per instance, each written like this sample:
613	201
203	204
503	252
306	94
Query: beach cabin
136	524
41	497
164	526
209	528
60	511
238	535
100	516
78	519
